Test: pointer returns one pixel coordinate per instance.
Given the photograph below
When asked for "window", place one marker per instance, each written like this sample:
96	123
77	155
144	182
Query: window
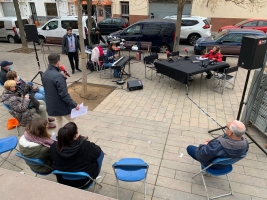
51	25
151	29
51	9
125	9
189	22
93	23
254	23
231	38
2	24
117	21
24	21
134	30
106	21
73	24
262	23
166	29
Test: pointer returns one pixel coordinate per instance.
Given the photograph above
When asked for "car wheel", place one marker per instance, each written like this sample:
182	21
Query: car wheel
41	40
193	38
11	39
163	48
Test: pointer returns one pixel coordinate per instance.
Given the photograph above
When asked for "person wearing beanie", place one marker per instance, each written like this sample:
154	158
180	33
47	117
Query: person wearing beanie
5	67
96	36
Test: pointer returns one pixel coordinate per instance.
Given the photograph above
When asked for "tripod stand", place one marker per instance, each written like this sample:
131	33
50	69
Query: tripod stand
239	113
39	72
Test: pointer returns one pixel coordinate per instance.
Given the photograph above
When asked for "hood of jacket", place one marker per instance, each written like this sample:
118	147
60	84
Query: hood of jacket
29	149
6	95
74	148
233	148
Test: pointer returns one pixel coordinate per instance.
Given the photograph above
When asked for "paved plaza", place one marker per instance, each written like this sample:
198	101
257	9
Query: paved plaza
155	124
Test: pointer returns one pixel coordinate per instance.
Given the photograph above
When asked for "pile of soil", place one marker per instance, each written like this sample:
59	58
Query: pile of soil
95	94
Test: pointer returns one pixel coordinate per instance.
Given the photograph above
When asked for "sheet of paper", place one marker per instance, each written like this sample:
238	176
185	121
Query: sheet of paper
200	58
82	111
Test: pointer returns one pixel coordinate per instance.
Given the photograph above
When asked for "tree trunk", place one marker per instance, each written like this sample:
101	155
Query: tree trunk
83	56
180	8
21	28
89	25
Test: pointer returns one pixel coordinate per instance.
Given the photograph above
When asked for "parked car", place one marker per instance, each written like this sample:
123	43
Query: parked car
193	27
229	40
258	24
55	28
9	29
161	32
110	25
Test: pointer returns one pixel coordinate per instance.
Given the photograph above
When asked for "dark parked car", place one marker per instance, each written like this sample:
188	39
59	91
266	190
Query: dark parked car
160	32
110	25
258	24
229	40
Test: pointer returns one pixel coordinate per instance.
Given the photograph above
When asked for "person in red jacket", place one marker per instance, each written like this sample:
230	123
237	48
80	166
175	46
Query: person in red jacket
215	55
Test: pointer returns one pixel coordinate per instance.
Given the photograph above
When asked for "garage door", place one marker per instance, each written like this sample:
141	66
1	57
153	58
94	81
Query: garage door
9	10
162	10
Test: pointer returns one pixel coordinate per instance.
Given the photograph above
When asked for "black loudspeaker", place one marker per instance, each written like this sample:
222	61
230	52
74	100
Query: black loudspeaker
31	32
252	52
134	85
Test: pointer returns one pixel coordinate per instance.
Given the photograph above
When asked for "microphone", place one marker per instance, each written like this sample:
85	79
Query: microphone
62	68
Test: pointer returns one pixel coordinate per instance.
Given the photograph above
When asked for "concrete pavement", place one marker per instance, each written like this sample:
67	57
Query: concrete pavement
156	124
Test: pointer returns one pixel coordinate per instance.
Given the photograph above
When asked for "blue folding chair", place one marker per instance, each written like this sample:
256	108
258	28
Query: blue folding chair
227	162
35	162
8	144
130	170
77	176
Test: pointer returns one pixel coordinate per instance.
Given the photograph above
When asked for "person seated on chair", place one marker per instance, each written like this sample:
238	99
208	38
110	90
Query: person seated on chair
20	107
215	55
35	143
39	93
96	36
5	67
230	145
74	153
110	58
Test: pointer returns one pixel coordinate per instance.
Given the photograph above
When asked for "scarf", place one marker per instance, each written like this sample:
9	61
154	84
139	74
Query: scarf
47	142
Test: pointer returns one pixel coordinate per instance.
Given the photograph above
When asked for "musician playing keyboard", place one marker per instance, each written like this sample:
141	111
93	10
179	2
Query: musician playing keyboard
110	58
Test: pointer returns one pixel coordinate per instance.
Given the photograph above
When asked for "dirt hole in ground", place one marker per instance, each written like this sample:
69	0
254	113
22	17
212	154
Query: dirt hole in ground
21	50
95	94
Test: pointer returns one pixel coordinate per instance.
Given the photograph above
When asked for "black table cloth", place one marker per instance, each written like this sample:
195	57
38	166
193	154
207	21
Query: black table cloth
180	69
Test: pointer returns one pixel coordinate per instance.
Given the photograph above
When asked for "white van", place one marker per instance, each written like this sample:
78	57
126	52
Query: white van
53	31
9	29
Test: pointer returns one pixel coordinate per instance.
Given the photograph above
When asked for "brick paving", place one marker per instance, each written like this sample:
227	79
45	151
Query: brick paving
156	124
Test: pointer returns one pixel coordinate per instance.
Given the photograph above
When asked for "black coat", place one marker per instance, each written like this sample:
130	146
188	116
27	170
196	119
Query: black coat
95	38
65	44
80	156
58	100
3	75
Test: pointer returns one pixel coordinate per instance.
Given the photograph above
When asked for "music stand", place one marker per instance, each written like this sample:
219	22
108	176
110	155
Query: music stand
32	36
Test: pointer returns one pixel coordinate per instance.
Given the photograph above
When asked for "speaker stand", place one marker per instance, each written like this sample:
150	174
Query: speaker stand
239	113
39	72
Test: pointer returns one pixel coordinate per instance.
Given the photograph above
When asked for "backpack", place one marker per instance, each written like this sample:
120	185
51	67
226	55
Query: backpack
90	65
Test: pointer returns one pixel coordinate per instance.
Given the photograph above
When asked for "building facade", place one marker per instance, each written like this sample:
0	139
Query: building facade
223	12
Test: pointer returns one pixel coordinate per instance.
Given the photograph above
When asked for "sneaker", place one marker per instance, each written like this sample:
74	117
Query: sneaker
51	119
73	71
79	70
50	125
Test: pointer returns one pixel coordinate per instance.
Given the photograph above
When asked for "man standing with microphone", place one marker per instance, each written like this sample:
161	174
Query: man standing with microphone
58	101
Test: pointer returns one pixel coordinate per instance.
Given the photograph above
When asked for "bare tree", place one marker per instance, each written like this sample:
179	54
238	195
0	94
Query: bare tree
25	48
180	8
83	56
89	25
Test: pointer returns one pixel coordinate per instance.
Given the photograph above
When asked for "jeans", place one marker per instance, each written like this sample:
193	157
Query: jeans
40	94
191	150
71	56
116	72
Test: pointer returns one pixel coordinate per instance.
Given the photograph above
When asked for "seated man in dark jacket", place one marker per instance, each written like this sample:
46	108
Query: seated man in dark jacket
96	36
229	145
